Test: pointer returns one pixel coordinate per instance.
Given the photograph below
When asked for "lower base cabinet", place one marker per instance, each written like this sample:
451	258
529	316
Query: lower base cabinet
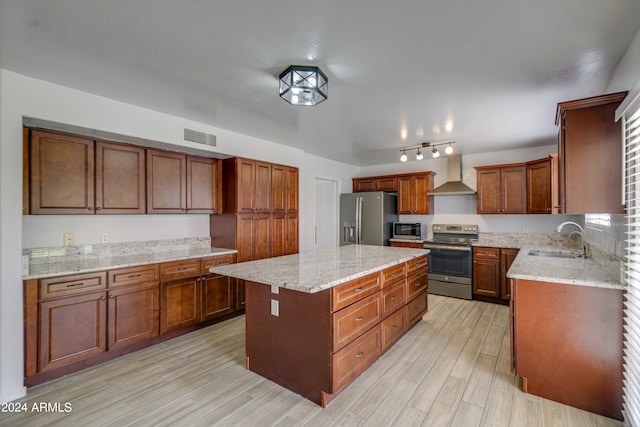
76	321
490	266
333	335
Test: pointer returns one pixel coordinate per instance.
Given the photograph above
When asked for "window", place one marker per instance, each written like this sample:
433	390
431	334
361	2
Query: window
631	116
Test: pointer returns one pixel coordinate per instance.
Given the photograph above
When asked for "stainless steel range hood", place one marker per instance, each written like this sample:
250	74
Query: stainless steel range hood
454	185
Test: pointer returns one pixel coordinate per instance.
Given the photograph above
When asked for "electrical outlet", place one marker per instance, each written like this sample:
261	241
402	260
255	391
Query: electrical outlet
69	239
105	238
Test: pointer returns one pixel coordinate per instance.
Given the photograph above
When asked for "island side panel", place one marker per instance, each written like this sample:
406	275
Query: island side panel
569	344
292	349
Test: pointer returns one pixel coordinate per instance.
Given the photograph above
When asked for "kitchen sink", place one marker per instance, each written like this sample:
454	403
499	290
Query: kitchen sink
553	253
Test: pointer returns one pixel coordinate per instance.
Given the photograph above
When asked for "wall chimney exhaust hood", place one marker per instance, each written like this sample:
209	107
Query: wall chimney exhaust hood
454	185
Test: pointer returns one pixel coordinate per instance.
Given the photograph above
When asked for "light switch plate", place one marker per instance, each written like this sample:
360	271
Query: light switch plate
275	307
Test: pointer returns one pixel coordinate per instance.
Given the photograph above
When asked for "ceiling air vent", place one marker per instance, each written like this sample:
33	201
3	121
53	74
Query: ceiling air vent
198	137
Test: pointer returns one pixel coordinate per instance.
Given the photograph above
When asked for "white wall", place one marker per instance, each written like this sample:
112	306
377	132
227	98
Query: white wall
24	96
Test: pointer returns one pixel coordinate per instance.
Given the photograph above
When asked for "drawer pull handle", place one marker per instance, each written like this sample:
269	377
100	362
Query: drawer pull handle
394	298
418	284
418	308
360	289
394	274
133	276
359	319
395	327
181	268
359	355
73	285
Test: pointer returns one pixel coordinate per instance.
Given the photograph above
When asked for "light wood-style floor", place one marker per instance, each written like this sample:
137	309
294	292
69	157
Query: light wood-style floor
452	369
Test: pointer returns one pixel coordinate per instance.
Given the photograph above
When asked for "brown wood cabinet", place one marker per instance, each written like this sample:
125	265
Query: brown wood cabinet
412	194
61	173
375	183
502	189
260	217
75	321
415	245
204	185
590	155
539	186
120	179
332	335
567	344
490	266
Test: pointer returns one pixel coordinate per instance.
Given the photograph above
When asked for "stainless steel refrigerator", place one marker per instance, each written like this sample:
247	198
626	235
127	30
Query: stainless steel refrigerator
367	218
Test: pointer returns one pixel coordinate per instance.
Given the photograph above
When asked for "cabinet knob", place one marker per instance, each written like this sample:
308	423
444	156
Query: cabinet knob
112	296
103	299
359	355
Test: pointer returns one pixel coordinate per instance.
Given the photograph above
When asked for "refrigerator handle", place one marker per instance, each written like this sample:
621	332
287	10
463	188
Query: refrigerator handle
357	200
359	219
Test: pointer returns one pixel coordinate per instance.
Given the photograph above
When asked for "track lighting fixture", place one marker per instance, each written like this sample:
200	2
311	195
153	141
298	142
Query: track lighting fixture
434	152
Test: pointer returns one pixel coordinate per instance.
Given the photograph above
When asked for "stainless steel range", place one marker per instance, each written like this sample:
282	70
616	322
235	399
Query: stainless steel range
450	260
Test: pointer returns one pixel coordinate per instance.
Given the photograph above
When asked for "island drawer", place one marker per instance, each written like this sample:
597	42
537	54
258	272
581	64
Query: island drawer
54	287
392	274
415	285
393	298
416	308
132	275
350	292
417	264
169	270
355	358
393	327
209	262
351	322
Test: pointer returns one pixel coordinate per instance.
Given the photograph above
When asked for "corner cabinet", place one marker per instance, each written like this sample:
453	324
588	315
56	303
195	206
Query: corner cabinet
590	155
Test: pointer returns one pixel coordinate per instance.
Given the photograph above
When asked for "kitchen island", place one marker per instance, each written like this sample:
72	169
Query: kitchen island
315	321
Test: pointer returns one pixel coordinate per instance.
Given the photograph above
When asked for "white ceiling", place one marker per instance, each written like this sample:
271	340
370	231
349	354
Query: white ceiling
487	74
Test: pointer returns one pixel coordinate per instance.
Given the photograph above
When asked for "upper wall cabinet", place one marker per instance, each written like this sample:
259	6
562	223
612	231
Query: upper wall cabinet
61	173
590	155
539	186
375	183
284	189
71	174
502	189
120	179
412	194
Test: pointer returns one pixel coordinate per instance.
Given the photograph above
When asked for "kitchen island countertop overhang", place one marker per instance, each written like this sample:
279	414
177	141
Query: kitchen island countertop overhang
316	271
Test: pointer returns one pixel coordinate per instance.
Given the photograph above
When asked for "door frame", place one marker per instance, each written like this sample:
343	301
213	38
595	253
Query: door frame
336	206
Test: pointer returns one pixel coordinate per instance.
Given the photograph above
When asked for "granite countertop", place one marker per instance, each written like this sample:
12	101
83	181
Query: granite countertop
316	271
143	253
571	271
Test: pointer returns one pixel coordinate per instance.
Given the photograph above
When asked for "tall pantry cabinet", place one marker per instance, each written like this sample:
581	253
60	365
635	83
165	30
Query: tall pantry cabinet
260	209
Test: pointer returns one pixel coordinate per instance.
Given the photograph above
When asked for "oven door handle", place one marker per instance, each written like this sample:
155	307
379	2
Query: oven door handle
447	248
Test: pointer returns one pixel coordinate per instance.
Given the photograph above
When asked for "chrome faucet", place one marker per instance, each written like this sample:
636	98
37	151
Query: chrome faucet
583	249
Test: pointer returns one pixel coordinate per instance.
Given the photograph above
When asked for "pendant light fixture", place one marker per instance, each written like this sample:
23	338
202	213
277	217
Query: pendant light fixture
303	85
434	152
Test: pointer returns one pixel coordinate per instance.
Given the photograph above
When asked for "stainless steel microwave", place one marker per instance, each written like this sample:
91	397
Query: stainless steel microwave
406	230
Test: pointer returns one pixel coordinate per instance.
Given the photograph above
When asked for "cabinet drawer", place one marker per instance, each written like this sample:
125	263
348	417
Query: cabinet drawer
415	285
392	328
486	252
71	285
392	274
351	322
169	270
132	275
416	308
355	358
207	263
393	298
417	264
355	290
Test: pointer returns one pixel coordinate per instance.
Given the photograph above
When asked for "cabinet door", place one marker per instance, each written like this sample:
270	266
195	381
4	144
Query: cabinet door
506	259
488	197
120	179
263	187
240	295
245	185
291	241
217	296
284	234
367	184
291	185
513	187
486	277
133	313
61	174
539	187
71	329
261	236
180	302
387	184
244	237
420	186
405	199
166	182
278	188
204	195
